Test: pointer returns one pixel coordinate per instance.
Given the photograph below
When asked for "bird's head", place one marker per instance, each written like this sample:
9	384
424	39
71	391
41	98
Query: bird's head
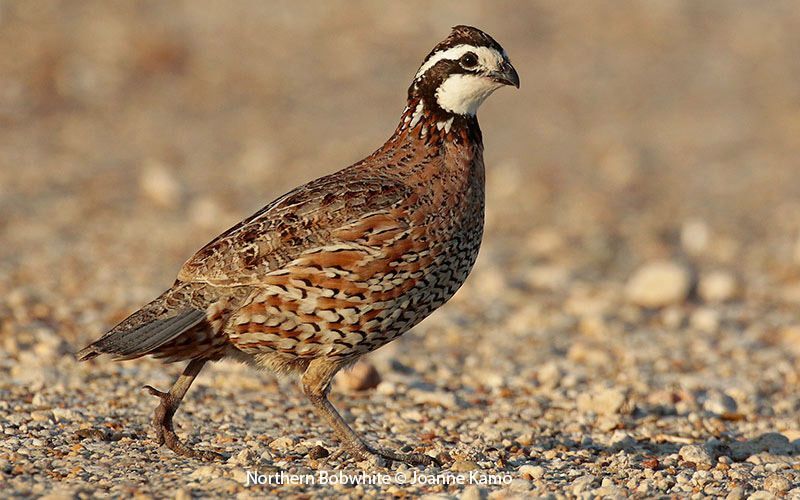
461	72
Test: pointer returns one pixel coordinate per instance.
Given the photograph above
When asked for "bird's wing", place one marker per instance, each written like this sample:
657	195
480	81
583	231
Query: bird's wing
139	334
312	216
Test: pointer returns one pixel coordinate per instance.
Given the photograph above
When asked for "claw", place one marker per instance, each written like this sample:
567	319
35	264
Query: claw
155	392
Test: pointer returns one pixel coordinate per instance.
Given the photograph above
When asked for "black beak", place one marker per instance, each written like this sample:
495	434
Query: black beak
506	75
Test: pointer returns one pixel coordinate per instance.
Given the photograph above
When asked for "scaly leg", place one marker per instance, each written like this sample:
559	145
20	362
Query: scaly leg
316	381
170	401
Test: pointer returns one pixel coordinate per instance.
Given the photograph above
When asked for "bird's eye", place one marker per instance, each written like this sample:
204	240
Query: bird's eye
469	60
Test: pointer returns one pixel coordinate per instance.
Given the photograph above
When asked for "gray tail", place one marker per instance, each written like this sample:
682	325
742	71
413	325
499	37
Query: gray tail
144	331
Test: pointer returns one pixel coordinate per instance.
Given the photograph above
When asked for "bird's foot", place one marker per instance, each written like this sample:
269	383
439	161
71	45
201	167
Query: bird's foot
165	433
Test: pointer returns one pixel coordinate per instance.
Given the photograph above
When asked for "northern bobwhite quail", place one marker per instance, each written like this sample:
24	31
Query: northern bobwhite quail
343	264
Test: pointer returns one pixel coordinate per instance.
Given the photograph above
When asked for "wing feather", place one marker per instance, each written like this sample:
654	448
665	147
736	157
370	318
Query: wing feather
295	223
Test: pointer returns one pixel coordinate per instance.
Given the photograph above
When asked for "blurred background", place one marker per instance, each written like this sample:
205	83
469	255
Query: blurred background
132	132
643	211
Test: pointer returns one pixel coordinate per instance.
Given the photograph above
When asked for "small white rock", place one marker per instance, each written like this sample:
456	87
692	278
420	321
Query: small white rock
547	277
583	483
441	398
464	466
206	472
718	402
694	236
603	402
534	471
159	185
205	212
621	440
386	388
282	443
42	415
548	241
549	375
717	286
244	458
697	454
519	486
777	484
761	495
65	415
659	284
705	319
240	475
736	493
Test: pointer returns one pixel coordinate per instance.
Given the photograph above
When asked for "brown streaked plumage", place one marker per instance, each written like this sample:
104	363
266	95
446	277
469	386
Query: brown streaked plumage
343	264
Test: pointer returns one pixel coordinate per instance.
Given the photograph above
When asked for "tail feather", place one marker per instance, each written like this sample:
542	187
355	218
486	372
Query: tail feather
143	331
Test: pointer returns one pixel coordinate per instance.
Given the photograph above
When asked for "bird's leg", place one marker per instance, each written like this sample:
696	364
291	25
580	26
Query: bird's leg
316	382
170	401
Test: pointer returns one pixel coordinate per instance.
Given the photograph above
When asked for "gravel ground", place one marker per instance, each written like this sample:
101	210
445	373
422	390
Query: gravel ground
631	328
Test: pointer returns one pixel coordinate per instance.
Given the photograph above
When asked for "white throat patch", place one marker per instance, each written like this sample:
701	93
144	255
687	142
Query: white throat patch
463	94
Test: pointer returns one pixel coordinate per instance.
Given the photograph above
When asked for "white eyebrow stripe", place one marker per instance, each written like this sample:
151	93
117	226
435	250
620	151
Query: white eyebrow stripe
485	55
451	53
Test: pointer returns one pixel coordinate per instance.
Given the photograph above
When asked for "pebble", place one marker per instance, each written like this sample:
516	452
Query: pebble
777	484
695	236
440	398
519	486
206	472
621	440
183	494
525	439
472	492
761	495
159	185
717	286
550	375
318	452
583	483
282	443
718	402
245	458
602	402
697	454
736	493
65	414
659	284
464	466
533	471
771	443
205	211
547	277
361	377
42	415
239	475
705	320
